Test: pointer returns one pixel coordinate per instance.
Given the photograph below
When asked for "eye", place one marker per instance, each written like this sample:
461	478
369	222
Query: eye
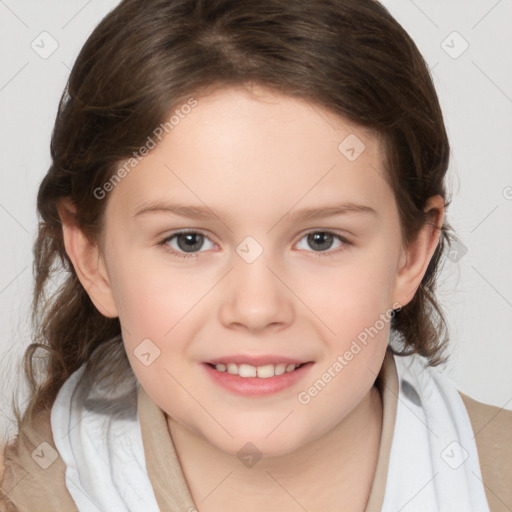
322	241
187	244
184	244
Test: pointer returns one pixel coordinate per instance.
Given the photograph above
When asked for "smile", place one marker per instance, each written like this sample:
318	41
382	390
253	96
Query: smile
248	380
262	372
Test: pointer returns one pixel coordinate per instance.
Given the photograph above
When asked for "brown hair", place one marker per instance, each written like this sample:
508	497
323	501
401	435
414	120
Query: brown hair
146	58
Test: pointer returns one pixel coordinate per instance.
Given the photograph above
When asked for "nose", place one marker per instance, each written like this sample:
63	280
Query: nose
256	298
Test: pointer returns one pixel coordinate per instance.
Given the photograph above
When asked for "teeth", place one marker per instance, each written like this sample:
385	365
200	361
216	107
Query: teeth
232	368
245	370
263	372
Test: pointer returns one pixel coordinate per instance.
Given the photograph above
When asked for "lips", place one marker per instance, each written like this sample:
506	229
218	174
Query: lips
251	381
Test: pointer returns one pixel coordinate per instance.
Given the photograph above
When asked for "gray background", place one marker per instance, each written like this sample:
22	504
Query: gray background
475	90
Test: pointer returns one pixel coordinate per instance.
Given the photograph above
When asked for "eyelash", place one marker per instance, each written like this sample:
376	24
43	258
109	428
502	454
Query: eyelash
185	256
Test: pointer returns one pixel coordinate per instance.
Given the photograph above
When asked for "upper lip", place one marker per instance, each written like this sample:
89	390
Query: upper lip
255	360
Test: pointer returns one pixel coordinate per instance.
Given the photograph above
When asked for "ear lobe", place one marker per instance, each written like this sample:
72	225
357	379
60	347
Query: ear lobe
416	257
87	261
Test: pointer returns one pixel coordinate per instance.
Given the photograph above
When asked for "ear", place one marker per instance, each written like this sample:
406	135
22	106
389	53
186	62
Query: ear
416	257
87	260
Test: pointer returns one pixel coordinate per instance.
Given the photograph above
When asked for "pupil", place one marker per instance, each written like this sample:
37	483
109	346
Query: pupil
322	239
190	243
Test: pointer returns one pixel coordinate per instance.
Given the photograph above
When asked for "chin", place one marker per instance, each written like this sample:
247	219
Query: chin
259	443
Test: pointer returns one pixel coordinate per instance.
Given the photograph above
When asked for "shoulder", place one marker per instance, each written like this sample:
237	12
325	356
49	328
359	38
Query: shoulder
32	471
2	448
3	445
489	422
492	429
5	504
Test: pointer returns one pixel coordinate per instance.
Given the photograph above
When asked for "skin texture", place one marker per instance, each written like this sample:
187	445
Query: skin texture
259	157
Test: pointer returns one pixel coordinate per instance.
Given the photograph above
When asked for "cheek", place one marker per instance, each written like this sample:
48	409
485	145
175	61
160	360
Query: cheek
159	307
156	308
358	312
153	294
349	296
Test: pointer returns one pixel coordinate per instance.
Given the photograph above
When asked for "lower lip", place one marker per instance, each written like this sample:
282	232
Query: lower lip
254	386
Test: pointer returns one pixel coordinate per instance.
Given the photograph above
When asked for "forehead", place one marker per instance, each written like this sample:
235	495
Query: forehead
257	149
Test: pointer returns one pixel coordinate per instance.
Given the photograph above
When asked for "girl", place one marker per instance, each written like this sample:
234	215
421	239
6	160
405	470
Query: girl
248	202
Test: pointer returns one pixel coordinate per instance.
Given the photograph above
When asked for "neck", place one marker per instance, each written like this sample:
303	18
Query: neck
341	463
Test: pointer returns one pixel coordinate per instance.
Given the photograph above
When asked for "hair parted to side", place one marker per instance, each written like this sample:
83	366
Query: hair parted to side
147	57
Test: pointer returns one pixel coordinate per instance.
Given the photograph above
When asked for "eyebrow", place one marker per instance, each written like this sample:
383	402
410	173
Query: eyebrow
204	212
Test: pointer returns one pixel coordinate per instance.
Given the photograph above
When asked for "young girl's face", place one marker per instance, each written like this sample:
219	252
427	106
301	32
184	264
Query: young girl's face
257	278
